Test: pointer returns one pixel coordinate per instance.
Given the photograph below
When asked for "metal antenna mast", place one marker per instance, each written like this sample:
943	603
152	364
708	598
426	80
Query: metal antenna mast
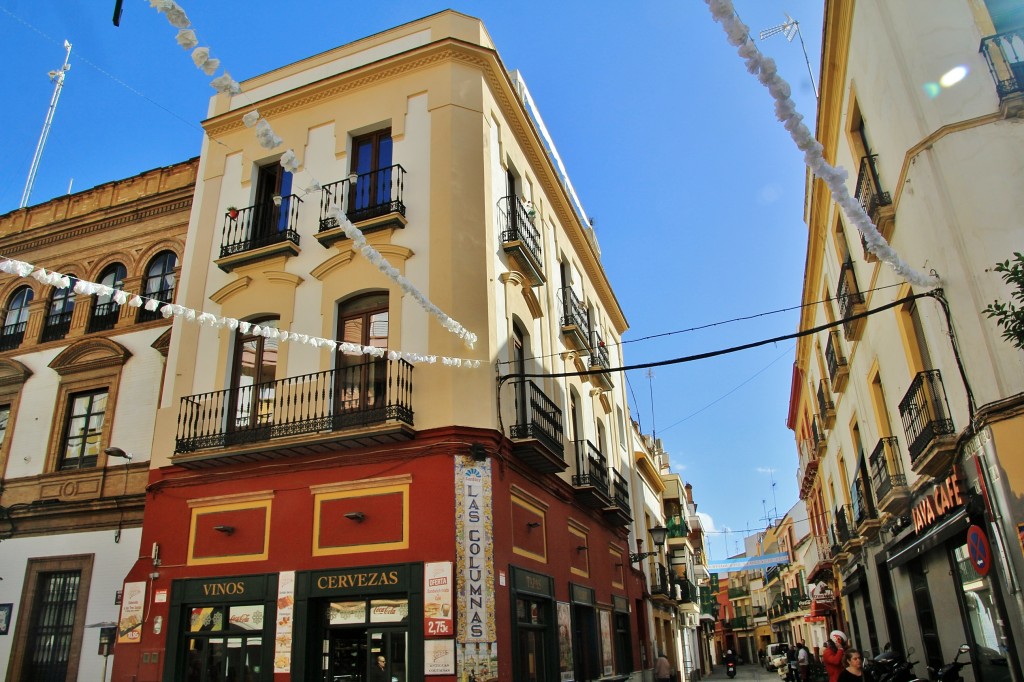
790	28
58	78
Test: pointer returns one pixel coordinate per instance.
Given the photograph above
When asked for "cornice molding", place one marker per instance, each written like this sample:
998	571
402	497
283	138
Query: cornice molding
88	354
230	289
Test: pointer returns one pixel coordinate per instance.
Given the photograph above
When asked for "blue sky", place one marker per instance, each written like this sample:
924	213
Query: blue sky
673	148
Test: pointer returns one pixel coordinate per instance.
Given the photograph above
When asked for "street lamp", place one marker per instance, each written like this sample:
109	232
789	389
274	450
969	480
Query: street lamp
658	535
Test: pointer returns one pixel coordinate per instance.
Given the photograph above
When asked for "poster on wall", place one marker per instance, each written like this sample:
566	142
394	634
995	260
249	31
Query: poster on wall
133	604
439	657
437	599
5	618
565	667
606	641
285	606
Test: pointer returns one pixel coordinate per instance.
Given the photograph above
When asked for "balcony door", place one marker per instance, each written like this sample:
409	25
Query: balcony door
270	218
361	383
518	369
252	383
371	163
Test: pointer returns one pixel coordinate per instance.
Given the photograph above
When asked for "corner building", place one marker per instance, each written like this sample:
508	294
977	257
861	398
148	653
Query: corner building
310	513
908	408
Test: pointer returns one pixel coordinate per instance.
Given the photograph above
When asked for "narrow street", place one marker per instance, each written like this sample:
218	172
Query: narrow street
748	672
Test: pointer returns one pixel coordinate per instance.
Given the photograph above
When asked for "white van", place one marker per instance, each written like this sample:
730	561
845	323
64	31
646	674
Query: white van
776	655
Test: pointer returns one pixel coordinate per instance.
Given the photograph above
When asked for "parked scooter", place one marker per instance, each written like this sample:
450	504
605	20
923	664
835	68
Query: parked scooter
951	671
889	666
730	669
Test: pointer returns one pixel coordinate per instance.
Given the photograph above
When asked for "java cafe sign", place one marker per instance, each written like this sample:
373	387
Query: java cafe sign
943	498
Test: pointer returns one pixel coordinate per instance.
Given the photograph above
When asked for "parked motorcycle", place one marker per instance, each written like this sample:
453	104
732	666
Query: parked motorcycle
951	671
889	666
730	669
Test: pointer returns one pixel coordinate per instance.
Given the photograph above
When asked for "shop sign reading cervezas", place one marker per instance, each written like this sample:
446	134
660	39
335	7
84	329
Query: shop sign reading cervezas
940	500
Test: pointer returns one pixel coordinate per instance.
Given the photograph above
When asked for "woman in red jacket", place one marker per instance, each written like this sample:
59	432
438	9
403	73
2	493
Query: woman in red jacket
832	655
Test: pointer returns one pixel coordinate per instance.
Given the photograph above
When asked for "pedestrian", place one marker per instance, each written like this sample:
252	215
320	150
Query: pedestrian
803	662
854	671
662	668
832	655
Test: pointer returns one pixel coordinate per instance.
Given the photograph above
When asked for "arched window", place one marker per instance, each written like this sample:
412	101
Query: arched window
16	319
58	314
158	284
105	310
361	384
253	380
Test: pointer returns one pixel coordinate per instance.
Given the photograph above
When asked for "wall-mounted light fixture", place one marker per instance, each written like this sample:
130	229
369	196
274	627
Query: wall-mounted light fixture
533	524
117	452
227	530
658	535
355	516
478	451
581	548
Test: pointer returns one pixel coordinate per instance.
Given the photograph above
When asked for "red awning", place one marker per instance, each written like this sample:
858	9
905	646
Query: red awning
820	608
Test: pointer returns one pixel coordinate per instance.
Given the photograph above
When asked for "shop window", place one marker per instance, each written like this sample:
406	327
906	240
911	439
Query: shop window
158	284
15	319
105	310
83	430
225	643
58	313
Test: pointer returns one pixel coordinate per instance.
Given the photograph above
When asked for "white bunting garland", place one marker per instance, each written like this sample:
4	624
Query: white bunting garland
785	110
121	297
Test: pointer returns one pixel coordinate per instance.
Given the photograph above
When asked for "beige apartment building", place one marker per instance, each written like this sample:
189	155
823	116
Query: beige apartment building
909	417
340	486
80	376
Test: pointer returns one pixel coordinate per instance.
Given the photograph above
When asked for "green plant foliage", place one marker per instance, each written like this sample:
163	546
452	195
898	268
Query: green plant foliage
1010	316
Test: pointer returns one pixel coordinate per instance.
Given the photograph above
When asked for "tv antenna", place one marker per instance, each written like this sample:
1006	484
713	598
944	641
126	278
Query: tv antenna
650	387
791	28
58	79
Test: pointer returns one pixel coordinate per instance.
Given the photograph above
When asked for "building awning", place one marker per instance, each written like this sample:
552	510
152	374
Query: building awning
820	608
854	582
939	534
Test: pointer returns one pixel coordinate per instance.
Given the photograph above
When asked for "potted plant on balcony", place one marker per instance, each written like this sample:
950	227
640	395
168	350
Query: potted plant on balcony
232	212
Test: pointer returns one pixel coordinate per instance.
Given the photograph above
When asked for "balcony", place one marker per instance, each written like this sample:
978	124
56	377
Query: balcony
846	531
685	592
875	202
619	513
838	369
355	406
865	516
818	436
104	317
739	623
890	483
826	408
520	238
599	360
575	326
823	567
537	432
11	335
1004	54
851	301
591	478
738	593
927	425
372	201
260	231
808	470
676	528
56	326
660	583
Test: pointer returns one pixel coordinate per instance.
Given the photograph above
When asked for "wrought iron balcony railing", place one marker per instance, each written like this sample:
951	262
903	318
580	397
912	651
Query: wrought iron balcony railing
850	298
620	491
164	296
56	326
598	351
686	591
104	316
869	189
886	467
261	225
925	412
863	507
573	312
1004	53
591	467
516	223
845	530
660	583
11	335
818	435
826	408
372	195
349	397
738	592
537	416
838	370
